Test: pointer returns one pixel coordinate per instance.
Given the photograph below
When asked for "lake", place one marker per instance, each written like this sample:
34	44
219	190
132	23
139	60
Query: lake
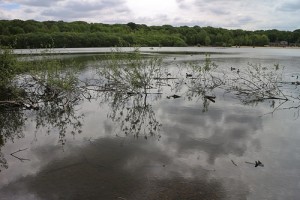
184	148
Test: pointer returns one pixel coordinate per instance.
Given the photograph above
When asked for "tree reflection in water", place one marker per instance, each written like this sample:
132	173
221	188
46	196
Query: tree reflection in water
125	84
61	116
128	85
204	81
58	115
134	115
11	127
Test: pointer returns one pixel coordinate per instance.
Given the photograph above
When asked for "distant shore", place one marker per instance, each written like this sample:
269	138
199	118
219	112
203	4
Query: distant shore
104	50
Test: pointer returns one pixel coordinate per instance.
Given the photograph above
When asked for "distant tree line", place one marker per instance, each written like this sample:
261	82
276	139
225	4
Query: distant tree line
35	34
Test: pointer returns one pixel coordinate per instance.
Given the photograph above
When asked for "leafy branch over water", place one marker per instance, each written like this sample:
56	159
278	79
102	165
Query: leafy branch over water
128	83
49	80
257	83
43	91
133	74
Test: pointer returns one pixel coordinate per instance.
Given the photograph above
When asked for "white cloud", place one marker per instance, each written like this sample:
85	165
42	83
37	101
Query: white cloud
244	14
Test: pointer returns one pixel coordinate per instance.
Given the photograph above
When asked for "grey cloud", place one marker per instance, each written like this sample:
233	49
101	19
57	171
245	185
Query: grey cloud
228	5
1	15
38	3
29	11
245	19
77	9
154	20
99	5
219	11
65	14
241	21
290	6
182	4
178	21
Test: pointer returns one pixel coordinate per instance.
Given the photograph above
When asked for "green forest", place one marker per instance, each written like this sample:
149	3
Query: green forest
60	34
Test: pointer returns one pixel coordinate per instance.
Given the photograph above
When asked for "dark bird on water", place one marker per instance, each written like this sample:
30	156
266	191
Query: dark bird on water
232	68
211	98
175	96
258	163
188	75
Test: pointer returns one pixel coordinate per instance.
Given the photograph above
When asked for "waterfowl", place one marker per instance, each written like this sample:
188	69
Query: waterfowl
131	93
258	163
188	75
175	96
211	98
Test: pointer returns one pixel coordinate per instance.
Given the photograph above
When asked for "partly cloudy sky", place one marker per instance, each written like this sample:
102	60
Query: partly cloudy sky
232	14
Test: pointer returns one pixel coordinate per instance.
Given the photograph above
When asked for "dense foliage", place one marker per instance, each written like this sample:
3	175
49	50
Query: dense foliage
7	66
35	34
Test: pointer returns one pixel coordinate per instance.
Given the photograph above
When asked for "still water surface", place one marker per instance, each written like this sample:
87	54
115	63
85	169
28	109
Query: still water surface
197	153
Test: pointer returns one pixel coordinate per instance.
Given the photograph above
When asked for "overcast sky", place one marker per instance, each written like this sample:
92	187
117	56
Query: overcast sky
232	14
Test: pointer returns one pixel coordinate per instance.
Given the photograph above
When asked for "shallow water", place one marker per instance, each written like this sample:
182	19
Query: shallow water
198	152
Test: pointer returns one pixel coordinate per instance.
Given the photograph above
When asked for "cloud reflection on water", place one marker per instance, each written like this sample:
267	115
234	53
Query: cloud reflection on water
218	132
130	168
